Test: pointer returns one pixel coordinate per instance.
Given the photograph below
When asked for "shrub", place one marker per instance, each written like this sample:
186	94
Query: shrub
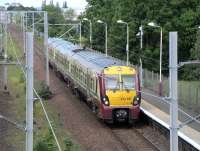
44	91
41	146
68	144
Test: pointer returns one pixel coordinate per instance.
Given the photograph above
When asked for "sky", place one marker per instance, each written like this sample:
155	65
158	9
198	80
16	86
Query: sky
75	4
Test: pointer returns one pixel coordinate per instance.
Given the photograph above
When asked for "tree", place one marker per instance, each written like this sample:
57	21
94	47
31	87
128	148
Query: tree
55	16
172	15
19	8
195	52
192	72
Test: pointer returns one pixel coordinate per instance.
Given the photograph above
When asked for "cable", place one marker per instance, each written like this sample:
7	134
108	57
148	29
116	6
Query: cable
46	115
19	126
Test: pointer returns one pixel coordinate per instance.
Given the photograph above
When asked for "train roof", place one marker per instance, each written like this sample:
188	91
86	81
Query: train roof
87	57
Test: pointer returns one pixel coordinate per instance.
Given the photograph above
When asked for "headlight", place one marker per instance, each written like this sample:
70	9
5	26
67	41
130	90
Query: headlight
136	100
106	101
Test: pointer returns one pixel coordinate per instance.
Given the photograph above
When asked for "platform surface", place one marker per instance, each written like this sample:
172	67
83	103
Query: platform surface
189	134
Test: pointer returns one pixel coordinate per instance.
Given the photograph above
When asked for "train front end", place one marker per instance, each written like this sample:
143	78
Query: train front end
120	94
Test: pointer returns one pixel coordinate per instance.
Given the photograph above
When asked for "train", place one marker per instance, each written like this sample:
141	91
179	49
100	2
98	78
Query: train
111	88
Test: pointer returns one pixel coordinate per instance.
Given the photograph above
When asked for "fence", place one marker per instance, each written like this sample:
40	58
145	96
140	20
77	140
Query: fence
188	91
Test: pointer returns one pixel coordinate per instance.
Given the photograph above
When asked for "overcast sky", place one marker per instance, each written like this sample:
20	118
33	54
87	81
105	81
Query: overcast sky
75	4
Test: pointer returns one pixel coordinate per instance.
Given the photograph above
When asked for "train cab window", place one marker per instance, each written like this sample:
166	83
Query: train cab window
128	81
112	82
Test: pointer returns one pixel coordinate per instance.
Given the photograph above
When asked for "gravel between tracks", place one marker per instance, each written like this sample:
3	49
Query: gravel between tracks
81	123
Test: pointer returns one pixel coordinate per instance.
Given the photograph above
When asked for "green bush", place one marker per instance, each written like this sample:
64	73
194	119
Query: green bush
41	146
44	91
46	144
68	144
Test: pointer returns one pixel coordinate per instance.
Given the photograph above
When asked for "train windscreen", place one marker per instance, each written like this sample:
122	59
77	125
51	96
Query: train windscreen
128	82
112	82
122	82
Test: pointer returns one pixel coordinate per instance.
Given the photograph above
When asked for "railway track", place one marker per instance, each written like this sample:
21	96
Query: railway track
140	137
130	139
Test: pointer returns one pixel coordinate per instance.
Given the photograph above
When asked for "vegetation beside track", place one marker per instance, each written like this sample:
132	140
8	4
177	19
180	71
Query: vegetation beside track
43	138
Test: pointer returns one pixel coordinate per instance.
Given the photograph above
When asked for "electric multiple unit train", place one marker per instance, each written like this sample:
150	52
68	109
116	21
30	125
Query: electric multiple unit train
106	83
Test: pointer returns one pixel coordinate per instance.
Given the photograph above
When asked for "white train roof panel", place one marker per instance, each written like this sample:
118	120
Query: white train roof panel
89	58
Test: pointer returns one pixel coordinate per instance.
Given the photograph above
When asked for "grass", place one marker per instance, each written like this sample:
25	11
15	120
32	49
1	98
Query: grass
16	86
41	127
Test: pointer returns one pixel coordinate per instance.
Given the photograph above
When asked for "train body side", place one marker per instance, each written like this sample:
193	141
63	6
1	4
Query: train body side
82	71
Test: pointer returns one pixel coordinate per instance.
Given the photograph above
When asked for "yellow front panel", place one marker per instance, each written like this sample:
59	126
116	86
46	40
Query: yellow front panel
119	70
118	94
121	97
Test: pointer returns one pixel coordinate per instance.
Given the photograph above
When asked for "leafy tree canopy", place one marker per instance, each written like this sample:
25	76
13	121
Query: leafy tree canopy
173	15
55	16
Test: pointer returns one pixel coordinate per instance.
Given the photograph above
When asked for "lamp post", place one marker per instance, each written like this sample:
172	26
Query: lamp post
127	44
152	24
80	34
141	36
86	19
106	35
140	33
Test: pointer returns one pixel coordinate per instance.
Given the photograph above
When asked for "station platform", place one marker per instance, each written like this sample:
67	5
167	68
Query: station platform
187	133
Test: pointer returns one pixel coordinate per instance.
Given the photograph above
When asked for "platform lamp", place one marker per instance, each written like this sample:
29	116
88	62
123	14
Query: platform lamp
127	40
140	34
106	35
86	19
152	24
